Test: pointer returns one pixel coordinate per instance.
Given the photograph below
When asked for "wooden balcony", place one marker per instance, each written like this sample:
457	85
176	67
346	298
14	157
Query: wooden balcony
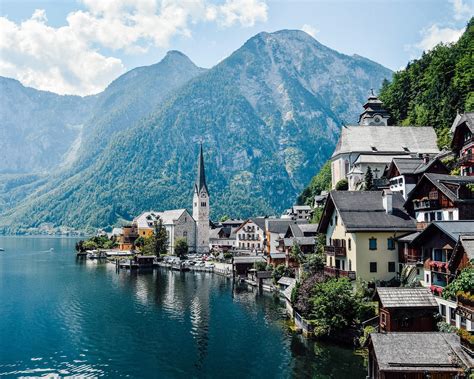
466	160
466	301
425	204
336	251
338	273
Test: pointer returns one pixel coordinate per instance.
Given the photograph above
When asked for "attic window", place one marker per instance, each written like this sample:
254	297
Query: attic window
405	148
373	148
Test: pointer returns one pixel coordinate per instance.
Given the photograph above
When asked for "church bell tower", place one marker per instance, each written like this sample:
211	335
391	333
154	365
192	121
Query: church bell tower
201	208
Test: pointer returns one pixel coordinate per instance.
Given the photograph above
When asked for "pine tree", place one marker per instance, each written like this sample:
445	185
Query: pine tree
369	180
160	239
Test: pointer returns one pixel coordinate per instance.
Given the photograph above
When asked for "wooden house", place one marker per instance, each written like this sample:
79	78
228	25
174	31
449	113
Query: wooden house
406	309
463	142
405	355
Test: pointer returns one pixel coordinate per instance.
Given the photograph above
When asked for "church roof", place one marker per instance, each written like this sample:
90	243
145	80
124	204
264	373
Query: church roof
201	175
395	140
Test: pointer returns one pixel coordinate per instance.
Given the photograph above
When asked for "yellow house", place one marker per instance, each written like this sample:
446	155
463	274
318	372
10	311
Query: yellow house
361	229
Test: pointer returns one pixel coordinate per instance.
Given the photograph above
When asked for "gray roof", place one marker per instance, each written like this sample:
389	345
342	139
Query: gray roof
296	230
454	229
404	297
409	237
301	207
419	351
407	166
467	117
308	228
249	259
287	281
299	240
387	140
279	226
201	175
277	255
259	221
363	210
441	181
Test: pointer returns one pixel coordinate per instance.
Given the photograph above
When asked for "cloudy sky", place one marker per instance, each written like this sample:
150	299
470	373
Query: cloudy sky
80	46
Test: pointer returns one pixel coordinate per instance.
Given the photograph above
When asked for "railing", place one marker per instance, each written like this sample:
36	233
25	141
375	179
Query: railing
338	273
337	251
438	266
425	204
466	158
466	300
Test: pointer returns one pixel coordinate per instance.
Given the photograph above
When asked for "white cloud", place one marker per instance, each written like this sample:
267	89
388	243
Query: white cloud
53	59
435	35
68	59
311	30
462	11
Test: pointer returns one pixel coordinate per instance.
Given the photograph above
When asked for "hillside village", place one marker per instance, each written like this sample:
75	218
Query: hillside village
397	228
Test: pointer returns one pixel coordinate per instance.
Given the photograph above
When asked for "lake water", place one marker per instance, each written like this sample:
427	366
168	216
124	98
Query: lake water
62	317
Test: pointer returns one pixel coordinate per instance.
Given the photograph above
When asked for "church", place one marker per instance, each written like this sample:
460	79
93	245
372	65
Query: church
179	223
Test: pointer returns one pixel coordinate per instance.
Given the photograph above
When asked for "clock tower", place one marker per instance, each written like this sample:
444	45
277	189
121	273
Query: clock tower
201	208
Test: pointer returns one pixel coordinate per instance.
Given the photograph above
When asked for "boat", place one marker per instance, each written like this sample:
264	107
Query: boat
2	249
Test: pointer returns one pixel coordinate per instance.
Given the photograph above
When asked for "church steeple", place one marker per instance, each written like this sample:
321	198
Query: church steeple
374	112
201	175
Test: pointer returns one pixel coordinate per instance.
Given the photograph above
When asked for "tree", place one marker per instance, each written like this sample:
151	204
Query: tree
224	218
368	180
139	242
463	283
296	253
314	263
181	247
160	245
333	306
342	185
320	182
260	266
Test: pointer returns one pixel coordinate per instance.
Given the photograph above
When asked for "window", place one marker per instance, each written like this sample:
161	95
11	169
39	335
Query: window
373	266
384	317
391	266
373	243
185	234
452	314
432	216
335	220
439	216
330	262
463	323
390	244
349	243
350	265
443	310
450	215
426	217
203	203
427	279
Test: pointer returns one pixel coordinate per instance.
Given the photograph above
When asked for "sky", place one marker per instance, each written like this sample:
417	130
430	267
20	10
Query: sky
80	46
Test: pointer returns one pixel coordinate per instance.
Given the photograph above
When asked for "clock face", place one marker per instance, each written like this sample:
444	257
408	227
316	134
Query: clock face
203	195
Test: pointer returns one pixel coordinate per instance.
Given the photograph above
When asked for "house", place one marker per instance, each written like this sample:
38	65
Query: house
242	265
361	229
250	235
445	248
126	240
275	229
404	173
320	200
374	144
463	142
298	212
411	355
178	224
301	234
438	197
403	309
222	239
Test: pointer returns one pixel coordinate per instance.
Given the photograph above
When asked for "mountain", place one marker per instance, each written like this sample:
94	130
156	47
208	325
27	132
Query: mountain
268	115
37	127
76	129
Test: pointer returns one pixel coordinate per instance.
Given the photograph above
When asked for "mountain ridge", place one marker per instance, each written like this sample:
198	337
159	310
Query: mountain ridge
269	116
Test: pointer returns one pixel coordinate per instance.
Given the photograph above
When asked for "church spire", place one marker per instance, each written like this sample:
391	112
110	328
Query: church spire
201	175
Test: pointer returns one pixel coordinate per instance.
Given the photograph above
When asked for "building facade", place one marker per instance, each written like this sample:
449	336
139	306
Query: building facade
463	142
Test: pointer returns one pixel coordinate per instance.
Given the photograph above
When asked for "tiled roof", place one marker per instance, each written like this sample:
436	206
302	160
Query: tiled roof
279	226
442	181
404	297
467	242
395	140
277	255
467	117
146	219
454	229
308	228
299	241
427	351
287	281
363	210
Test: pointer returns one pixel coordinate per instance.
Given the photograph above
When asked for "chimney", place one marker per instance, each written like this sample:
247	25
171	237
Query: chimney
426	159
387	197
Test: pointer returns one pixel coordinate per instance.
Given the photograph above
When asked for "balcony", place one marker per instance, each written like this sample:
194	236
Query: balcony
424	204
338	273
439	267
466	160
336	251
466	301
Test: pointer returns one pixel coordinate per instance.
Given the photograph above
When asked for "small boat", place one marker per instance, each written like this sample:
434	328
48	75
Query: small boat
2	249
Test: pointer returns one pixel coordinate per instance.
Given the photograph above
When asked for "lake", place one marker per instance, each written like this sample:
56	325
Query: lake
64	317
